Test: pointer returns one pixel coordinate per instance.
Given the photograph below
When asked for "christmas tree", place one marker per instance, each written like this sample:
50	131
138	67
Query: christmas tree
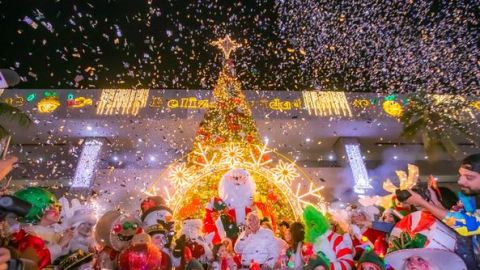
228	120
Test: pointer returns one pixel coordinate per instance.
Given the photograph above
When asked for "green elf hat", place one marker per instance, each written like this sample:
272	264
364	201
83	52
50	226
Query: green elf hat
40	199
371	257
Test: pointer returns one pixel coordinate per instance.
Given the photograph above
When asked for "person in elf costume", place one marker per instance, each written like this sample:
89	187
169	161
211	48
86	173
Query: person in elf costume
324	240
226	214
37	239
113	233
158	222
191	237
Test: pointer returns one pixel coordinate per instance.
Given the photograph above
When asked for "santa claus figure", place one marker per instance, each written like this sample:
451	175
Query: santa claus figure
226	214
191	239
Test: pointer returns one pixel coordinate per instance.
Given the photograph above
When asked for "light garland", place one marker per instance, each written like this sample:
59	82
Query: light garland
326	103
359	171
84	173
122	101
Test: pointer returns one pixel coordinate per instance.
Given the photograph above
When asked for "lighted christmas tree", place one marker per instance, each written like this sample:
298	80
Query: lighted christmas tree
229	119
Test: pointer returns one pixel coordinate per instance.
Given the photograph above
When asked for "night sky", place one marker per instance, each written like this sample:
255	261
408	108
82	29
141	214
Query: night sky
376	46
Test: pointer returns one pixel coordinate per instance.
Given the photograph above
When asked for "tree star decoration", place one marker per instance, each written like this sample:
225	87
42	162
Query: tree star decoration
227	45
285	172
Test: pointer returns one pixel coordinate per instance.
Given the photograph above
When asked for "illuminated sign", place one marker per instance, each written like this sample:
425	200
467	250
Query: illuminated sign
48	104
16	101
122	101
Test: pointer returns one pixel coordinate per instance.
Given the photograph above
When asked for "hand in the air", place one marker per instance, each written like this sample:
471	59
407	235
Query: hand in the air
66	237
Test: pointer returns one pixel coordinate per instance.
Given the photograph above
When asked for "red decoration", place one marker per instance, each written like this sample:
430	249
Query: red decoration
141	257
31	245
117	228
254	266
187	255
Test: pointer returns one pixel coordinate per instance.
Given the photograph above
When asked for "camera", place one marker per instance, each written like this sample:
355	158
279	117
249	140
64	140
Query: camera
420	188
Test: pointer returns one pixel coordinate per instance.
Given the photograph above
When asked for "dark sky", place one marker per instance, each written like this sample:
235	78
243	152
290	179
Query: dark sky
150	44
392	46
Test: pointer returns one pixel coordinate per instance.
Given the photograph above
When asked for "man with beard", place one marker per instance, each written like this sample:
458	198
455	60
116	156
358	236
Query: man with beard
466	219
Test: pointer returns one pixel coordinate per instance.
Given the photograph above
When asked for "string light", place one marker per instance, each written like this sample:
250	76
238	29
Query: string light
359	171
86	164
326	103
122	101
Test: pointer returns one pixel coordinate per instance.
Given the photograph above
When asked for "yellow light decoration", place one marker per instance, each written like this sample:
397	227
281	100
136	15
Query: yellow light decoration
475	105
80	102
392	108
454	99
232	155
179	175
226	138
326	103
227	45
122	101
48	104
285	172
361	103
16	101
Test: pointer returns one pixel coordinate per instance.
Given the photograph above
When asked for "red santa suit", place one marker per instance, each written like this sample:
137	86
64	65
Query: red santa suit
369	237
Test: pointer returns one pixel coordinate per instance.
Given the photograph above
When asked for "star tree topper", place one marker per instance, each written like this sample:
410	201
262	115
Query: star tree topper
227	45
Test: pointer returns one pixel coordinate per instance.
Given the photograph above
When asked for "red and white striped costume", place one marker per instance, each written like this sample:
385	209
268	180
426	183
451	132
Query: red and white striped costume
335	249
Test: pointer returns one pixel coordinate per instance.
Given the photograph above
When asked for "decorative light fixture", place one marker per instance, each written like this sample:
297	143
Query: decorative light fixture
232	154
326	103
285	172
87	162
392	107
122	101
179	175
48	104
359	171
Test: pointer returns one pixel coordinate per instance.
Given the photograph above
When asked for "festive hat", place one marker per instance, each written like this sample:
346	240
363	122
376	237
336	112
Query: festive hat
371	257
316	224
316	260
39	198
439	258
194	265
153	203
140	257
73	260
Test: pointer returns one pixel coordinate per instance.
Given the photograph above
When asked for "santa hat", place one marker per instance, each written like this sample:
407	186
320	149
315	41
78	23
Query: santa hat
151	204
80	216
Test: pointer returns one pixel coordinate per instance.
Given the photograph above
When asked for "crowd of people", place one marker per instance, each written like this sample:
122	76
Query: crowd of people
425	227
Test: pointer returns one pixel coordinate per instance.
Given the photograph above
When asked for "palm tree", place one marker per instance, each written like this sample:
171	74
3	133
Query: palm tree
439	118
13	113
